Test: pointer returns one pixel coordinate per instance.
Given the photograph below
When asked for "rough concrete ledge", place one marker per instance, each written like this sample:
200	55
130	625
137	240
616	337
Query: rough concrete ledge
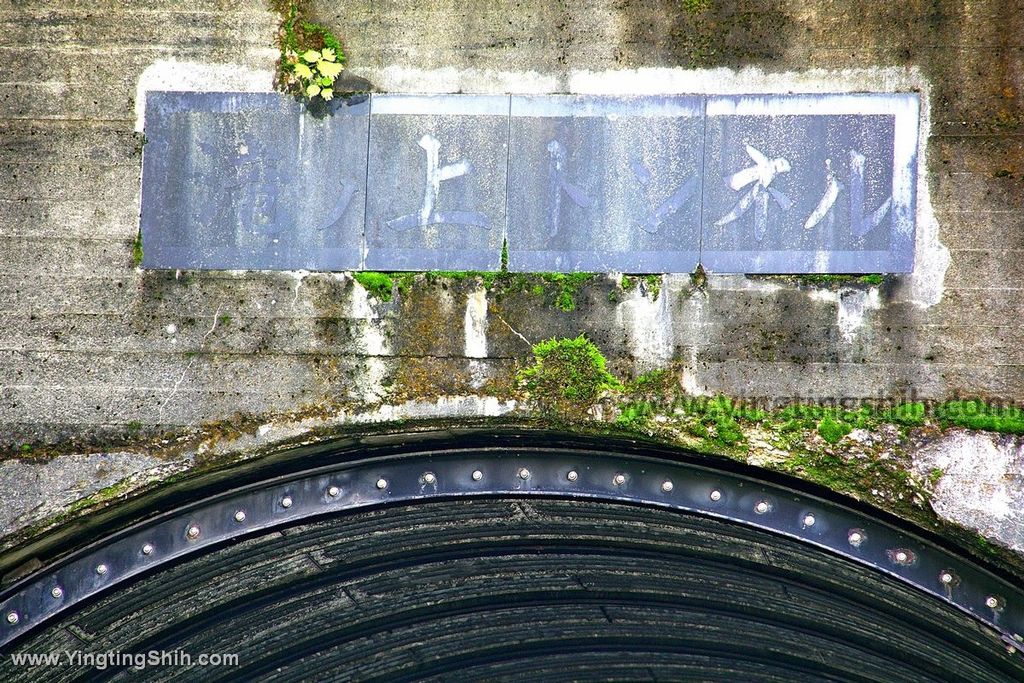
967	486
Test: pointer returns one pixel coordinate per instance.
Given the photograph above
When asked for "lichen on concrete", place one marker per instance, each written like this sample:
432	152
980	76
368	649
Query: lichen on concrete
977	481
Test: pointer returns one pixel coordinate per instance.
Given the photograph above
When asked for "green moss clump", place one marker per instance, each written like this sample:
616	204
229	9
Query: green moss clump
826	279
810	415
559	289
635	416
721	414
489	279
906	414
403	281
832	430
727	430
567	376
454	275
695	6
568	286
977	414
657	384
379	285
653	285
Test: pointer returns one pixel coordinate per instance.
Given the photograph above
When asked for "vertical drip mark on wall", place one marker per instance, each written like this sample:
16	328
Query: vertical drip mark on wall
374	343
648	325
475	324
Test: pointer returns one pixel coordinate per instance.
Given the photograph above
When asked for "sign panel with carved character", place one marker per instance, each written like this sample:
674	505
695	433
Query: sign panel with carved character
436	182
605	183
810	183
252	181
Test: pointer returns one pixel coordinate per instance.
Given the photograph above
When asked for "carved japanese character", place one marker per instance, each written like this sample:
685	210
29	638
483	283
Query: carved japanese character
860	224
759	177
435	175
675	201
244	193
559	184
824	208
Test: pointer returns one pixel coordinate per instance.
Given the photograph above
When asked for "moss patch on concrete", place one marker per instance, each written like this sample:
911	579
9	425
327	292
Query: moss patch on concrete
558	290
567	376
830	280
382	286
137	252
979	415
649	285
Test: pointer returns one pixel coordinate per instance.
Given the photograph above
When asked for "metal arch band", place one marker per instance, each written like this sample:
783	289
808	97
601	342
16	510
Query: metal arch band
530	472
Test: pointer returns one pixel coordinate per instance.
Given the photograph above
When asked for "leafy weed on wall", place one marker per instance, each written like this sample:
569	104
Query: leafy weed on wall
311	59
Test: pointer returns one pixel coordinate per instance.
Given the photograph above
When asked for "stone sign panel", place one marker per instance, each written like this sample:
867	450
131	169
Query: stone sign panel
436	182
741	184
252	181
605	183
810	183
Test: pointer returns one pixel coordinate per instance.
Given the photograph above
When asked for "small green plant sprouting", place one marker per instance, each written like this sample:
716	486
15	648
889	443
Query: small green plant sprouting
315	72
311	58
699	277
567	376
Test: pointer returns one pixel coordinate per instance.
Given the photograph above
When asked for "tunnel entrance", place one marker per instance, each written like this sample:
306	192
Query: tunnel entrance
500	557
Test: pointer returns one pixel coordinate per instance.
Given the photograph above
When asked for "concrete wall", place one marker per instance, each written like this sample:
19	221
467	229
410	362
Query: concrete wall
92	348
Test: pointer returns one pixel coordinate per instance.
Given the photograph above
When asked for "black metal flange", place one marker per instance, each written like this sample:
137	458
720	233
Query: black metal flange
528	471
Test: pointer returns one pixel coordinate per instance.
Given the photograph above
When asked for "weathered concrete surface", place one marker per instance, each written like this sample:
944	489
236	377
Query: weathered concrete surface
979	483
35	491
92	349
